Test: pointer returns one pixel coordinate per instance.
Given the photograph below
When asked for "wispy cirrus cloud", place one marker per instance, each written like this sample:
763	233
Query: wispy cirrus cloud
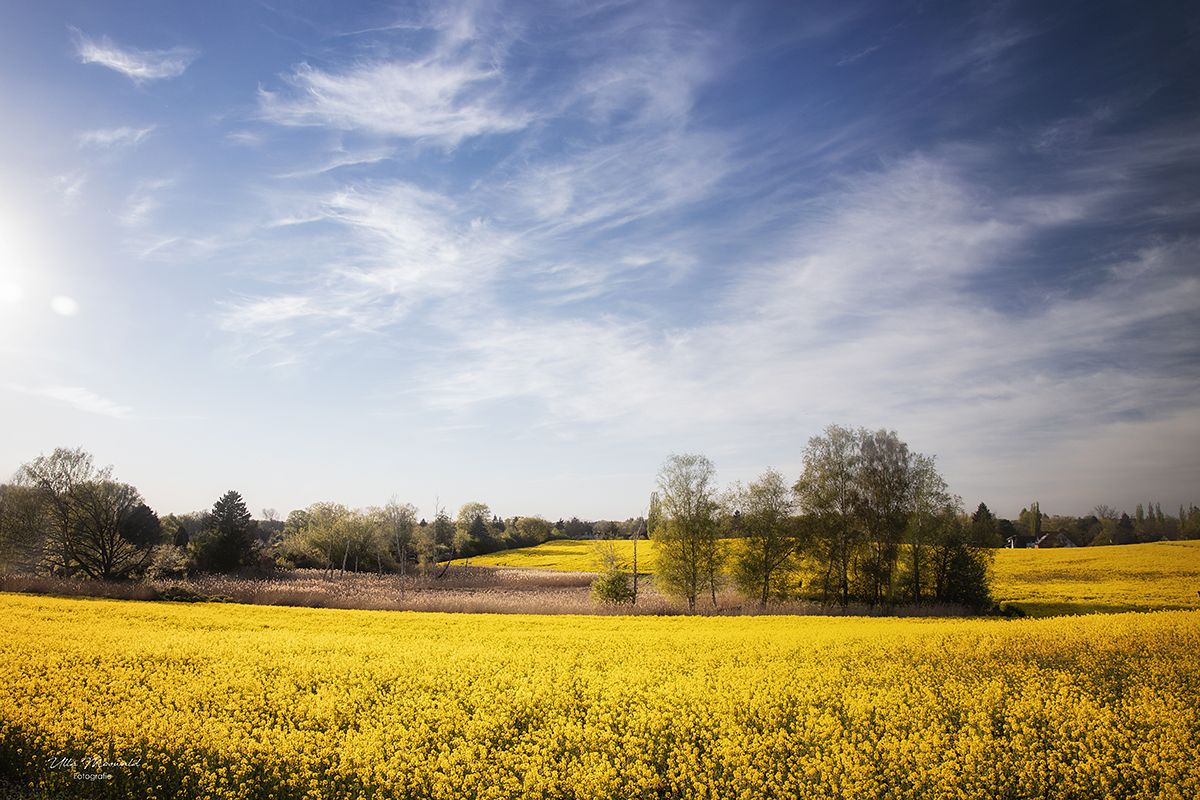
621	261
437	99
80	399
138	65
397	247
142	202
115	137
873	317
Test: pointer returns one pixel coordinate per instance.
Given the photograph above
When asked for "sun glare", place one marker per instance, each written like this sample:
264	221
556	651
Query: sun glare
65	306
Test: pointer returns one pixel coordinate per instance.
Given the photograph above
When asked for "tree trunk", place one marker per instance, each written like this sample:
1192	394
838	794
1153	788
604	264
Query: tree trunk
637	533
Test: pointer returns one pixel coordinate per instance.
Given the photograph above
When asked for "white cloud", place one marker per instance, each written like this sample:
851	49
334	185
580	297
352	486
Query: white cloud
115	137
142	202
872	321
139	65
396	246
433	99
70	185
81	399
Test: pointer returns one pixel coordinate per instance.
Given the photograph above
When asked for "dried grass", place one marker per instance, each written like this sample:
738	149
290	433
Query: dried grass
465	590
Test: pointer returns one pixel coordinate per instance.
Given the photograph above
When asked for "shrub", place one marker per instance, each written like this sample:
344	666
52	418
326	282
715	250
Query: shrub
612	587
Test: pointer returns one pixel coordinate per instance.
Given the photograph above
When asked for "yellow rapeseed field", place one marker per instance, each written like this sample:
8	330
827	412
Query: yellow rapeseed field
228	701
568	555
1134	577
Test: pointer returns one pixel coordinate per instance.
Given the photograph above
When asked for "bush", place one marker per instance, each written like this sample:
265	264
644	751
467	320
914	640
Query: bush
612	587
170	561
178	594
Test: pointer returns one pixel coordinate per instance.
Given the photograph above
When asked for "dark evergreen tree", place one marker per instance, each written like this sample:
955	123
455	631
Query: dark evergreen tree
228	541
1125	533
983	528
180	538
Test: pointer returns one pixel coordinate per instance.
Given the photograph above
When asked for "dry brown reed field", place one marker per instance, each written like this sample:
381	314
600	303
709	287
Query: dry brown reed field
462	589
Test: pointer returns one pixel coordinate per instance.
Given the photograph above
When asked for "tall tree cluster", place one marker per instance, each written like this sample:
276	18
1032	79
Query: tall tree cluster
885	527
867	521
63	515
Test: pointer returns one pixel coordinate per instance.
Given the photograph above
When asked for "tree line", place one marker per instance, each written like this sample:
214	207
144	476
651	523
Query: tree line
867	521
62	515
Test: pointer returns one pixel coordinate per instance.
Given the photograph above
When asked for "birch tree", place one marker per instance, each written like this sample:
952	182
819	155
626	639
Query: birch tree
685	532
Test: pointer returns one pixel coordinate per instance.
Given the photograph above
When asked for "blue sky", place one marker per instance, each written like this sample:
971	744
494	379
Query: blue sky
520	252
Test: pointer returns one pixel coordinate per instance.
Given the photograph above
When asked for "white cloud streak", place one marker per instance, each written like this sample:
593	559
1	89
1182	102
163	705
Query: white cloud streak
80	399
138	65
439	99
142	202
115	137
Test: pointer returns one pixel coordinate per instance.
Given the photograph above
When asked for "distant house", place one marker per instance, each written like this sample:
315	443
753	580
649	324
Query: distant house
1054	539
1018	541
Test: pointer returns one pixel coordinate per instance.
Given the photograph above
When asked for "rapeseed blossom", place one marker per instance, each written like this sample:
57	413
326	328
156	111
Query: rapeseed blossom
229	701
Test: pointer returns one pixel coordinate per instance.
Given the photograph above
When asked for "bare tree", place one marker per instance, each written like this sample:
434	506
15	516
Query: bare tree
23	523
400	522
55	478
114	531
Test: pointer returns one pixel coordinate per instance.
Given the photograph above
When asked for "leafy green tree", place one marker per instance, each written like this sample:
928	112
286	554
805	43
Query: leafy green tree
613	587
228	542
471	535
885	479
866	496
1125	533
532	530
1035	518
961	572
76	519
361	534
772	536
930	496
575	528
983	527
686	534
828	493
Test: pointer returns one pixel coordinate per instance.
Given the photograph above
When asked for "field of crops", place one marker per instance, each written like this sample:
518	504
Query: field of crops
1135	577
1139	577
163	700
567	555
